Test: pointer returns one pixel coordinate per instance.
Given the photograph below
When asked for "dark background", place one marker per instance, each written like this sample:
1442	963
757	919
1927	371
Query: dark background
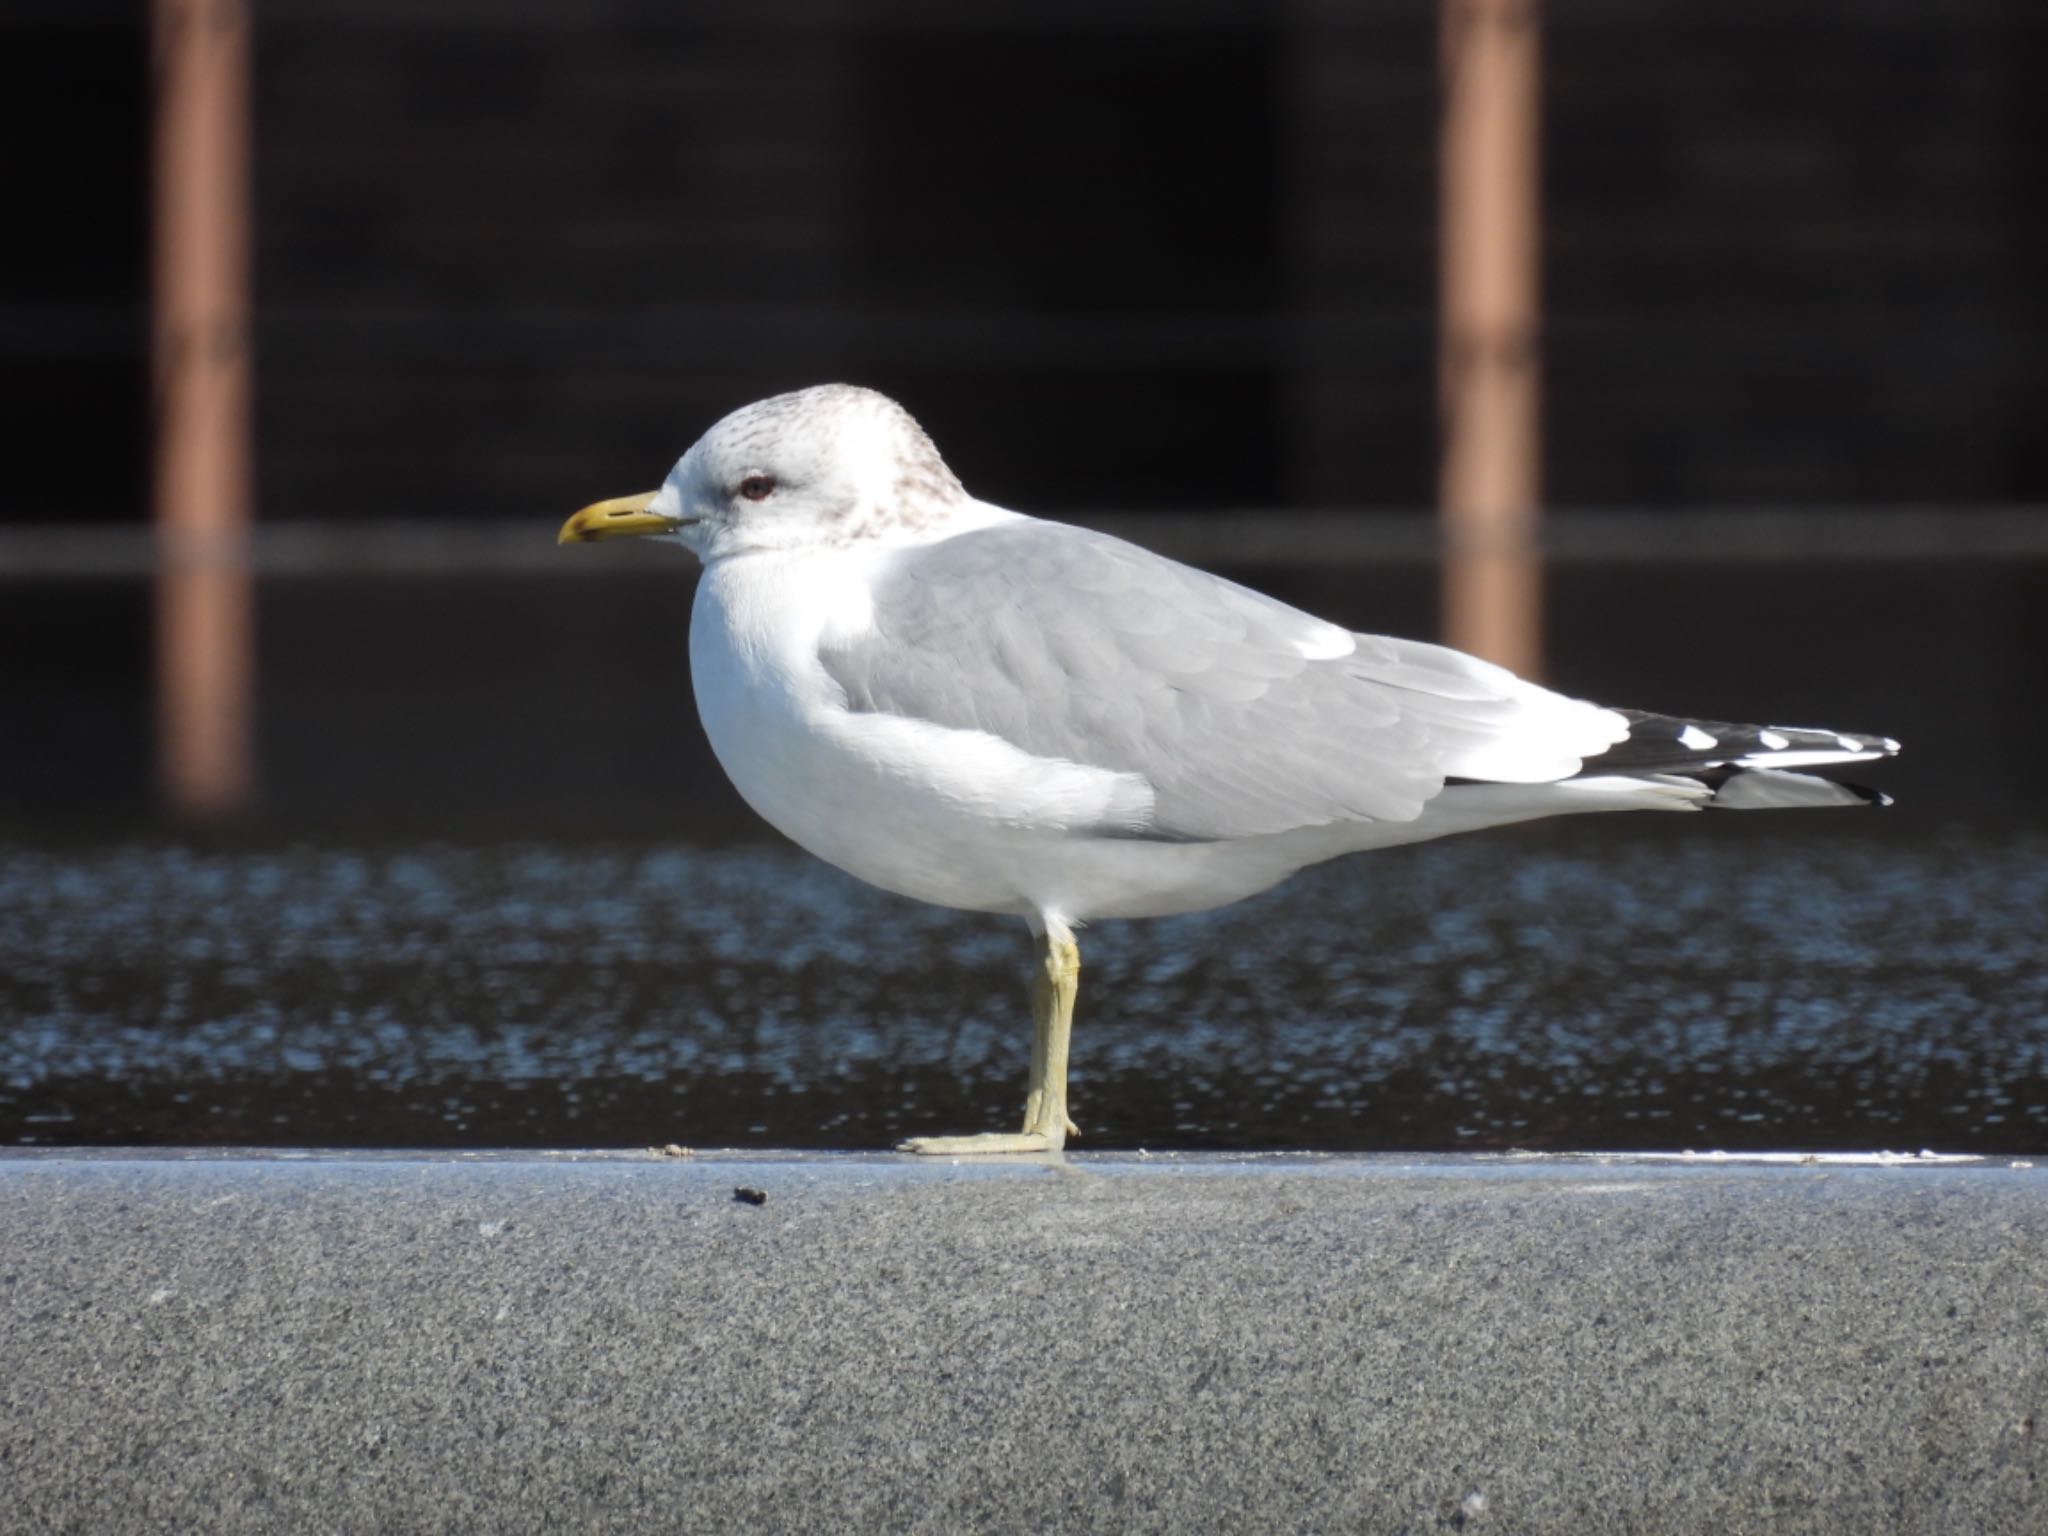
1117	256
1793	253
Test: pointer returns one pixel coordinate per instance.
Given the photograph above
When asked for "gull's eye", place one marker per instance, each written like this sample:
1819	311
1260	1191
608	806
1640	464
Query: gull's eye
758	487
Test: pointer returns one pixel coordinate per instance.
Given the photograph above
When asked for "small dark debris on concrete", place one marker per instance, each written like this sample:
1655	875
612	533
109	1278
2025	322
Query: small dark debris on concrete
750	1196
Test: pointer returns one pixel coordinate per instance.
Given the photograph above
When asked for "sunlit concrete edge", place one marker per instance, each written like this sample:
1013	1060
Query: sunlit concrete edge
624	1340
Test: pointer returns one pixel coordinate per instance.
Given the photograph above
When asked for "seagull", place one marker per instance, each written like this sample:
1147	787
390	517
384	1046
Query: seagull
995	712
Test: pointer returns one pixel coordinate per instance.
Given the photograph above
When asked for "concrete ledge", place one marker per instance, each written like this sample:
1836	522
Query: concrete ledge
528	1343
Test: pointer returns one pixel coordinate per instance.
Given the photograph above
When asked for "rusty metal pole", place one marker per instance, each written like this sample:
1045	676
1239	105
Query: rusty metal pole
1489	360
200	344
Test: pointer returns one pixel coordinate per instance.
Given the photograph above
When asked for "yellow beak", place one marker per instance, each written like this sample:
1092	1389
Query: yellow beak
623	517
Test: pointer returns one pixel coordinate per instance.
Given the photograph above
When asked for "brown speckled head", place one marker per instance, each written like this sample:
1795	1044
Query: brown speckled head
829	465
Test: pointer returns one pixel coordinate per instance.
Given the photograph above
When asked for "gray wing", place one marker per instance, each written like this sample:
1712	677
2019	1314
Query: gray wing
1239	711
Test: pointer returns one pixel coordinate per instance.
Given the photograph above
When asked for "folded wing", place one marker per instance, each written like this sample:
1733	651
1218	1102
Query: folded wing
1245	716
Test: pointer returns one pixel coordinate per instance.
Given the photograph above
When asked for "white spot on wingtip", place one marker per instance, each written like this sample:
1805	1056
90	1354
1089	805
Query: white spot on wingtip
1773	740
1890	745
1849	743
1696	739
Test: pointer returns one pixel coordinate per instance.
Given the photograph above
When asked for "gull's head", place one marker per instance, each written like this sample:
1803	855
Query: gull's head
822	467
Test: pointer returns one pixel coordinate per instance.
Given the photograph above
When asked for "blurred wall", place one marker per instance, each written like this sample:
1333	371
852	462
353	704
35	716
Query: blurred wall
73	165
1128	252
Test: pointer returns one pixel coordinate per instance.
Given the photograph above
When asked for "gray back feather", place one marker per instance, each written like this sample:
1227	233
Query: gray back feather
1075	645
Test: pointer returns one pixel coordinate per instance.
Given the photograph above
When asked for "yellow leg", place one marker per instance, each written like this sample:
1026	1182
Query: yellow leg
1053	990
1054	986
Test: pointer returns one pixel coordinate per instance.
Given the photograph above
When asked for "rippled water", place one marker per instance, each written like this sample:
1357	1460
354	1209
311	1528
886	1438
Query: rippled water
1668	987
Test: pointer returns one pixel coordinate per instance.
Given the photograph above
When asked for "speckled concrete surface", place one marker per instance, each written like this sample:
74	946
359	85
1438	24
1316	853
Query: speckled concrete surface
391	1344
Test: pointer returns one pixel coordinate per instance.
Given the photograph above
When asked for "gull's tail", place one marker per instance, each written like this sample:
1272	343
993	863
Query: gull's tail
1746	767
